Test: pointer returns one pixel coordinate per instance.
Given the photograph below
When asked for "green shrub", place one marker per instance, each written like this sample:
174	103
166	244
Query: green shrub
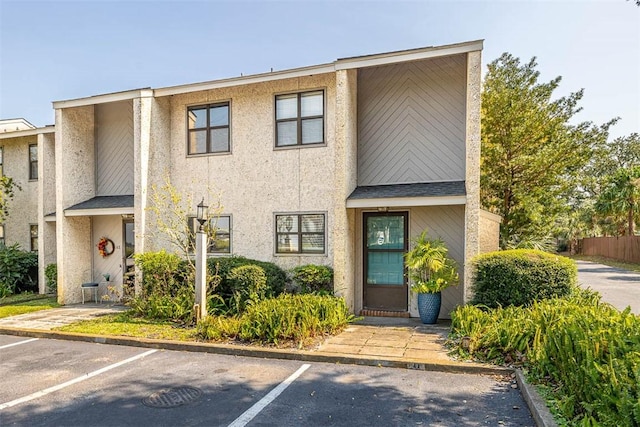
586	352
276	277
249	285
284	318
51	277
168	288
163	274
18	271
520	276
313	278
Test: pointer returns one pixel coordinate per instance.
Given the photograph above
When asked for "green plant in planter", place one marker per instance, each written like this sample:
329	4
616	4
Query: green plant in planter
430	270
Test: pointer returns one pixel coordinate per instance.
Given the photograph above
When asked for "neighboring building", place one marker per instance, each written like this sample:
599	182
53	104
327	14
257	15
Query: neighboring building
26	156
338	164
12	125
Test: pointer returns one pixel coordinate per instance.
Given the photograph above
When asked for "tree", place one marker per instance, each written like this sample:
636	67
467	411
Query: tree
531	154
172	210
8	188
620	199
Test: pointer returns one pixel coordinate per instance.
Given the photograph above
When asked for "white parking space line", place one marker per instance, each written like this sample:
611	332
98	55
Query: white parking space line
18	343
250	413
73	381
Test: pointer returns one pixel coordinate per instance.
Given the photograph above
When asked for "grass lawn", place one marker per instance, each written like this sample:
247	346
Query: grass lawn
124	324
19	304
607	261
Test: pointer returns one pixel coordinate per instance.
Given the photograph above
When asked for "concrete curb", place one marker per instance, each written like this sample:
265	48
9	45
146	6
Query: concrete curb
270	353
537	407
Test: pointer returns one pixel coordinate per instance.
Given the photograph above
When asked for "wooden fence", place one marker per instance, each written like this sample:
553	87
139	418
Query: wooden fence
625	248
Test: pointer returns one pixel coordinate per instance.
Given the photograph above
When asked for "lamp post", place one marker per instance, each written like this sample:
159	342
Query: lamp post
201	261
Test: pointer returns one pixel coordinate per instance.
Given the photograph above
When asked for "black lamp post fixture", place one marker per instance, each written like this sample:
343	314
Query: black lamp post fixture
201	214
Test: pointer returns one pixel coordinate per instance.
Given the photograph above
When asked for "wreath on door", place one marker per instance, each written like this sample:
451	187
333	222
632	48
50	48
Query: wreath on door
105	247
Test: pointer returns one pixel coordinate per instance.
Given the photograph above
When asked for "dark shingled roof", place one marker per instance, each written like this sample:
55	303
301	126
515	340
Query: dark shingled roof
427	189
104	202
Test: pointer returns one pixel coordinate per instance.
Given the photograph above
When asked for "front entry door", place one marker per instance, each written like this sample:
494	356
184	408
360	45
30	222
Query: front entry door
385	243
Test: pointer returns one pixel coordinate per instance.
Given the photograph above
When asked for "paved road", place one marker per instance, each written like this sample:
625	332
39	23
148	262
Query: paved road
621	288
63	383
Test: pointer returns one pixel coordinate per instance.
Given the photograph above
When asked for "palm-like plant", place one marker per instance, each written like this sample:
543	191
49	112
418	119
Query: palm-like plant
620	197
430	268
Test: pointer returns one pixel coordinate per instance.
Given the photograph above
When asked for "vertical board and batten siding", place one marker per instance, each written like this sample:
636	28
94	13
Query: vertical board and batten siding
411	122
447	223
114	148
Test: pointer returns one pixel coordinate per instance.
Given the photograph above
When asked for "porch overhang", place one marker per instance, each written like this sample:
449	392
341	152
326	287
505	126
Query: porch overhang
405	195
102	205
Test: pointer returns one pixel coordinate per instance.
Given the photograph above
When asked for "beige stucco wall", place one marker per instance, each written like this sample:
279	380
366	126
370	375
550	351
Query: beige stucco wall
255	180
47	200
23	208
343	232
489	231
75	182
472	179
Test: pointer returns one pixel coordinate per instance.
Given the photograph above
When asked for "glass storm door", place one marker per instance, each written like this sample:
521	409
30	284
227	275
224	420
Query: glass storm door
385	243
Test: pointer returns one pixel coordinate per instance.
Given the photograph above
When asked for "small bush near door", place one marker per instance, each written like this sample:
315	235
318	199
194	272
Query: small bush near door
51	278
222	266
313	278
520	276
18	271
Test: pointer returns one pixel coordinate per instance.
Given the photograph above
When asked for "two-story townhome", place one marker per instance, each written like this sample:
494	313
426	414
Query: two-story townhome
26	156
338	164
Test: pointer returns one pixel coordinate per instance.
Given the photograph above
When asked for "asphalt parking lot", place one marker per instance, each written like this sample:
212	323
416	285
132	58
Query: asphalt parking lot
61	383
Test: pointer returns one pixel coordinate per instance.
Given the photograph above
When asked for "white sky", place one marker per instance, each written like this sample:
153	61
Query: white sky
56	50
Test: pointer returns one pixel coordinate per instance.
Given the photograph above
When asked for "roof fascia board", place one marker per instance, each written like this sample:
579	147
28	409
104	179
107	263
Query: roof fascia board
397	202
27	132
99	211
416	55
103	99
237	81
50	218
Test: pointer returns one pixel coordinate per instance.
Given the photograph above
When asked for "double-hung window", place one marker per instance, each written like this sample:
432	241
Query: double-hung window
219	232
300	119
33	161
300	233
209	130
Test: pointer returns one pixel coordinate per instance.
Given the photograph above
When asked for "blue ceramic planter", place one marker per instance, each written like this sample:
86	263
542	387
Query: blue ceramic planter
429	307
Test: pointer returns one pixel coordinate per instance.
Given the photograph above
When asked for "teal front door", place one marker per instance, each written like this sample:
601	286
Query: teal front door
385	243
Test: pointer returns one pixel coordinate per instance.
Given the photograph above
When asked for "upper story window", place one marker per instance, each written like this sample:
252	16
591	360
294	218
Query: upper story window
220	239
300	119
208	129
300	233
1	161
33	161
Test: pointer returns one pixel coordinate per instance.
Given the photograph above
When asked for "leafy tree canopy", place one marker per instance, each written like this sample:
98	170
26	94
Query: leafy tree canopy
532	152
